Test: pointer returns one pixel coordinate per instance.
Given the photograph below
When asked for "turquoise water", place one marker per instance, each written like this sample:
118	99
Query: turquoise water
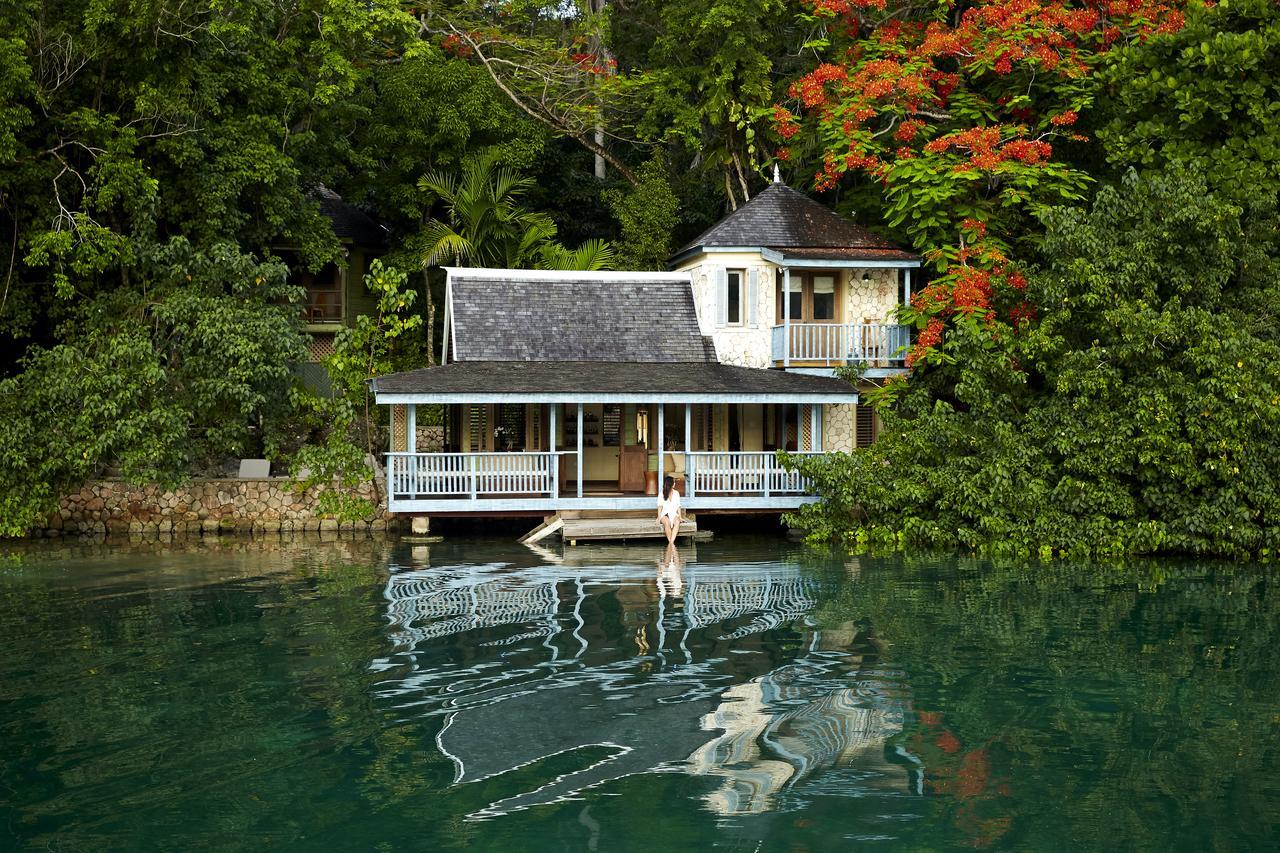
752	696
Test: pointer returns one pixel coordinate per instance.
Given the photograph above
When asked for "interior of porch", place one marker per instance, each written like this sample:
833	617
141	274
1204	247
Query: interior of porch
609	449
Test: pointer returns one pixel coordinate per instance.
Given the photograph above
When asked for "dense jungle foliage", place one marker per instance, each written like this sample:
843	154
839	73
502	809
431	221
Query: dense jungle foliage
1092	183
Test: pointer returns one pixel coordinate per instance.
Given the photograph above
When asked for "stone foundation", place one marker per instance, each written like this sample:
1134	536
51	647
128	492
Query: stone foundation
203	507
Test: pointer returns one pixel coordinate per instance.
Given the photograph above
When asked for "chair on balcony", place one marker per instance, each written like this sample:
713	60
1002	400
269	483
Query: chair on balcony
673	466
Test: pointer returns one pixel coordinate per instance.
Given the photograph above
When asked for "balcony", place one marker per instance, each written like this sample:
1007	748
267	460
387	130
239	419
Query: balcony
882	345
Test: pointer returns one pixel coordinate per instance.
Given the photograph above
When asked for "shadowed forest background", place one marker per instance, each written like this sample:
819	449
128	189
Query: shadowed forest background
1091	183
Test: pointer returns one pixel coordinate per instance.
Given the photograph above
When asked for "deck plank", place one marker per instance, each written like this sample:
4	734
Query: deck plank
587	529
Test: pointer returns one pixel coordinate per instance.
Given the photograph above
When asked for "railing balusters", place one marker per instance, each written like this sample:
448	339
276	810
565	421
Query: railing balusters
480	476
832	344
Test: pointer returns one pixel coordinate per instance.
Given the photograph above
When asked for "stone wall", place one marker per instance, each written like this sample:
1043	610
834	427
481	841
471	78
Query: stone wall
747	344
201	507
874	300
837	427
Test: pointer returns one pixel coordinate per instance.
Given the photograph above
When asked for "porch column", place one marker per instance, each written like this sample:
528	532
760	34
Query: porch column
662	411
579	450
815	426
906	299
411	437
688	448
786	316
553	419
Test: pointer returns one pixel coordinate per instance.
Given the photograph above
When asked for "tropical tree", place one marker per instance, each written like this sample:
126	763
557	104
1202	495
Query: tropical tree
484	224
961	117
1202	95
376	344
187	365
1140	413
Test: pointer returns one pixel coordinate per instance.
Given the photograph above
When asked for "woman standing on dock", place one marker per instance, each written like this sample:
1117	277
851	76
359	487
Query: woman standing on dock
669	509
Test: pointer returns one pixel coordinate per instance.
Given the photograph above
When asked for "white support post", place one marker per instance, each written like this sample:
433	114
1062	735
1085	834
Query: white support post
688	447
579	450
815	427
906	299
786	316
662	424
553	418
411	445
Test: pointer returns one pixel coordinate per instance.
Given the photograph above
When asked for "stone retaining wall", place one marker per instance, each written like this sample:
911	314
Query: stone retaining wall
201	507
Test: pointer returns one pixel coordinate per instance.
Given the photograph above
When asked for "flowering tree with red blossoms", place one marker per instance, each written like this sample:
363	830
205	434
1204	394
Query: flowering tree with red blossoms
961	112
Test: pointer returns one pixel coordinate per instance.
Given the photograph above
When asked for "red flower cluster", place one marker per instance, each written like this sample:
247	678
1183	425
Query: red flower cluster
929	338
811	89
1024	312
456	45
907	130
591	63
1027	150
837	8
785	123
972	292
1064	118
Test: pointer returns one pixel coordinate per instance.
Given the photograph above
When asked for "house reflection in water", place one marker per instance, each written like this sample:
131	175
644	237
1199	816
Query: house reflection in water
645	666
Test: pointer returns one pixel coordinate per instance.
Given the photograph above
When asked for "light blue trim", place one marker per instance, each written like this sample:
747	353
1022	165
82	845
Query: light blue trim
778	258
870	373
482	505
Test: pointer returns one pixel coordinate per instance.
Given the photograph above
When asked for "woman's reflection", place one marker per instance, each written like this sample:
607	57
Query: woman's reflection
670	574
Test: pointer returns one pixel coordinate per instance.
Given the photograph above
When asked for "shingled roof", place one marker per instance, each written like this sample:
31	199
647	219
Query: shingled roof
785	219
349	222
574	381
523	315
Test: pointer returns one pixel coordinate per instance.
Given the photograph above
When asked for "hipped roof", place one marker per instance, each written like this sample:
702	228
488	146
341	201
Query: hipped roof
785	219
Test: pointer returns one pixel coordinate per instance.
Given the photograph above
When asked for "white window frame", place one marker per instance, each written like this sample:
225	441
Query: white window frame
741	276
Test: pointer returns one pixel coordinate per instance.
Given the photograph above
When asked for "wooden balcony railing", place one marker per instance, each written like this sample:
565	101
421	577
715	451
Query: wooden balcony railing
470	476
483	479
749	473
836	344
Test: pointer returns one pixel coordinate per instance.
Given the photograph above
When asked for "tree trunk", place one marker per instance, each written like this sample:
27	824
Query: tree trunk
600	175
431	317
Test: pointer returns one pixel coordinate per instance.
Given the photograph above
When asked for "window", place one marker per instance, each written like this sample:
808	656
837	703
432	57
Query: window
508	432
812	297
864	418
323	300
611	425
733	297
824	297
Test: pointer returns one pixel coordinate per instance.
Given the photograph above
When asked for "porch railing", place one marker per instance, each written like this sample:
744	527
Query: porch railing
742	473
413	476
475	478
833	344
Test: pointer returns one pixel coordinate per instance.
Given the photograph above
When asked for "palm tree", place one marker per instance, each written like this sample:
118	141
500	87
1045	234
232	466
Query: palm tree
485	225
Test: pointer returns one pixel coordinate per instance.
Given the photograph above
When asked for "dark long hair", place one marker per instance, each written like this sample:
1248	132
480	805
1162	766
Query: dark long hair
668	482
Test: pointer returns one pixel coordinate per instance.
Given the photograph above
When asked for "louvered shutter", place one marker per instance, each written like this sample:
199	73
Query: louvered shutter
721	278
753	296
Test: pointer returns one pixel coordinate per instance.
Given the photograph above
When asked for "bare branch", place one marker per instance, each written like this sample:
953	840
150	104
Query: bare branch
551	95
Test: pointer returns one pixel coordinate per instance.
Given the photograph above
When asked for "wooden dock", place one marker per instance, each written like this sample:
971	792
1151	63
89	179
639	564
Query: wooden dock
602	525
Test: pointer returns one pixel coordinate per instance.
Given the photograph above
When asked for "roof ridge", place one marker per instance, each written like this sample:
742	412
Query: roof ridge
781	216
